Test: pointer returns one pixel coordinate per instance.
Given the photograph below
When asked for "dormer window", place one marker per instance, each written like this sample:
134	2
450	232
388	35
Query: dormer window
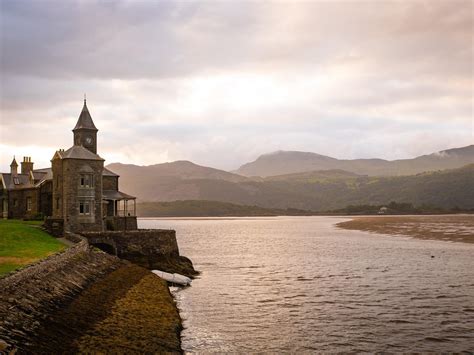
16	180
87	180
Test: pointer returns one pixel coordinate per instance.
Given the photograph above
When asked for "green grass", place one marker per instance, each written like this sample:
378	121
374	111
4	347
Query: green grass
22	243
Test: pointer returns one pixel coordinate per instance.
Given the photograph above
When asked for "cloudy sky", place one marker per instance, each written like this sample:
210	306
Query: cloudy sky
221	82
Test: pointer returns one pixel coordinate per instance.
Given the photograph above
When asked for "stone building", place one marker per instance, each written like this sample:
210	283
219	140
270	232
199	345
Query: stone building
77	193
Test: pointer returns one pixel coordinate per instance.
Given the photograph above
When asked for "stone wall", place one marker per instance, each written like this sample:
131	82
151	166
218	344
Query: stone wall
67	190
28	295
121	223
18	205
150	248
46	198
127	243
54	226
110	183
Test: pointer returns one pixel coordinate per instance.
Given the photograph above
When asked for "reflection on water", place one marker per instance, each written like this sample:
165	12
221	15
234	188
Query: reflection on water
300	284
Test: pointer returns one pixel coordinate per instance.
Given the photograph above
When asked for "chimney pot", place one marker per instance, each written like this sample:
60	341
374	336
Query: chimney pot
26	165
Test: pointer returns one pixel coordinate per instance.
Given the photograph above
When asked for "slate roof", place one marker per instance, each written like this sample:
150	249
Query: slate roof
43	174
107	172
85	120
77	152
116	195
40	175
23	179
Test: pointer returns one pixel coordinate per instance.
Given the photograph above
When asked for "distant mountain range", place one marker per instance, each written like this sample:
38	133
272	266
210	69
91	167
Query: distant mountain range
288	162
309	190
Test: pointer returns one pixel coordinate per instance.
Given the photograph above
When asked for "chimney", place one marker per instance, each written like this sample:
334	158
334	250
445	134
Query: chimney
26	165
14	167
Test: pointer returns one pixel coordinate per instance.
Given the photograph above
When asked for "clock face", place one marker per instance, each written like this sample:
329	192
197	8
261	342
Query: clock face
89	140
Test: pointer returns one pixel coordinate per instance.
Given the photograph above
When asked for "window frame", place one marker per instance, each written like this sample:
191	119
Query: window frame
86	208
86	181
29	204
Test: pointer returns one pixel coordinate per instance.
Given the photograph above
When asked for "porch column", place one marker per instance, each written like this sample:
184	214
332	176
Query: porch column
114	209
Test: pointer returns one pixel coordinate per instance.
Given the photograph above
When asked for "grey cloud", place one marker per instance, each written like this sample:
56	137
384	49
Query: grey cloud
395	69
161	39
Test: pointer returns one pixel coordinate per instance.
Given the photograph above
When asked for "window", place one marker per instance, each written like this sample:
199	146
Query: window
16	181
86	180
85	208
15	203
57	203
29	204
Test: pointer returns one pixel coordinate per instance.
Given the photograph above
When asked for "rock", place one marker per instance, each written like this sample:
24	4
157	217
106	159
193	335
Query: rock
3	345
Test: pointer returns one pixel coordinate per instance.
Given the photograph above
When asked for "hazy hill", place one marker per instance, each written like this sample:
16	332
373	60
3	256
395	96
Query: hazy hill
288	162
313	176
168	181
317	191
182	169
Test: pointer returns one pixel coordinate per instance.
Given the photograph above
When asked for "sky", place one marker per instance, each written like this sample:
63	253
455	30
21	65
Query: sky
221	82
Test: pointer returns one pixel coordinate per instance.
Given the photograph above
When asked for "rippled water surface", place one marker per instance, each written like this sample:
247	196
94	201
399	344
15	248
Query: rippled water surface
296	284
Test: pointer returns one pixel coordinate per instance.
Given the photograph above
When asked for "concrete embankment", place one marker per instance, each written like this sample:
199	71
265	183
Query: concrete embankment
84	300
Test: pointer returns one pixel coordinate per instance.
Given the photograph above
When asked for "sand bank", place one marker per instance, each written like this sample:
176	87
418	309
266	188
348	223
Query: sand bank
456	228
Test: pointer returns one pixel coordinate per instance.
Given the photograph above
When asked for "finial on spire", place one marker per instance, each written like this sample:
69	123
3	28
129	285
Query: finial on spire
85	98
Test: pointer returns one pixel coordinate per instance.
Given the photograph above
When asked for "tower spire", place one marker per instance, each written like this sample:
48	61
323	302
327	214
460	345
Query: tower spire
85	132
14	167
85	119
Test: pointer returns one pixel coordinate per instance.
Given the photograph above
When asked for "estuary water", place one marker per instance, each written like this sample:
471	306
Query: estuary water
300	284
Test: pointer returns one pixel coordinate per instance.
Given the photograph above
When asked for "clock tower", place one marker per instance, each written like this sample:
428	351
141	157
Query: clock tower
85	132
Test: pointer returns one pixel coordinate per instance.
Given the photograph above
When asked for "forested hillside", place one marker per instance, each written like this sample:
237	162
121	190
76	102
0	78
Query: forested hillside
316	191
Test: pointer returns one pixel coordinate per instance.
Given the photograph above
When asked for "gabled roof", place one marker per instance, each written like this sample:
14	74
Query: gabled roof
85	120
76	152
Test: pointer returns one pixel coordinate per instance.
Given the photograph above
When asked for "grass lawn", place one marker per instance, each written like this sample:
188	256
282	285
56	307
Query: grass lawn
22	243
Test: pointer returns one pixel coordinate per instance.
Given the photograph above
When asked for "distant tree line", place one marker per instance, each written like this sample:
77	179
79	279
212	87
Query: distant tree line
399	208
203	208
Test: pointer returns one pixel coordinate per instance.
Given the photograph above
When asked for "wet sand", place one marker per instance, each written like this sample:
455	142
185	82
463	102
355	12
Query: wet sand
455	228
129	311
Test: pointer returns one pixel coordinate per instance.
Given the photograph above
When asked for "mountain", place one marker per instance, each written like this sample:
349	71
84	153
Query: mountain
316	191
182	169
168	181
288	162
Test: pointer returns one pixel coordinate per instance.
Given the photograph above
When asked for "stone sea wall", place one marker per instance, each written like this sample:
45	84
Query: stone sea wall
149	248
29	295
66	301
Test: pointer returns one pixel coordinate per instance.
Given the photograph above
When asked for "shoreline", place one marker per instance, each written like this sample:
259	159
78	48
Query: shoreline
451	228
